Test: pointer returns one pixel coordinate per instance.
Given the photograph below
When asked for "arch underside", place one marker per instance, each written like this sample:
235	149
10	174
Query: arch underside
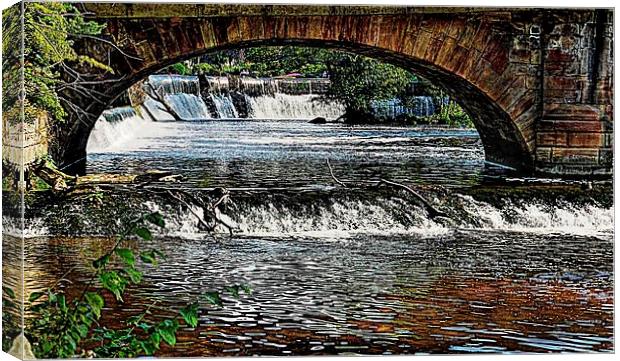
502	139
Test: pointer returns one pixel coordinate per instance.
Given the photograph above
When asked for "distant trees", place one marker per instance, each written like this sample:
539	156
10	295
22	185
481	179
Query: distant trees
356	81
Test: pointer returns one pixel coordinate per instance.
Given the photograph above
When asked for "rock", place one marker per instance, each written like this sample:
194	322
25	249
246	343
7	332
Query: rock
318	120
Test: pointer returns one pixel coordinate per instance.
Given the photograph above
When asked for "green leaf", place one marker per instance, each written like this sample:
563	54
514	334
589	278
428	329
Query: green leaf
114	283
134	275
167	329
9	291
82	330
35	296
147	347
71	343
95	301
62	303
126	255
233	290
156	218
51	296
156	339
143	233
213	298
190	314
246	289
148	257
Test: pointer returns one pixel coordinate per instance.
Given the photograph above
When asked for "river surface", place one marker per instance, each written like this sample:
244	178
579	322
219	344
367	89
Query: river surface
352	274
293	153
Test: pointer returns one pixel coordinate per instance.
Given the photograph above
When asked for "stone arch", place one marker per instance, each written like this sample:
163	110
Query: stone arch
469	58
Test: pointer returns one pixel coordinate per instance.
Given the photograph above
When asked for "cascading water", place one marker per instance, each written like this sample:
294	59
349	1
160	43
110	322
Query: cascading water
225	106
284	106
114	127
260	98
181	93
423	106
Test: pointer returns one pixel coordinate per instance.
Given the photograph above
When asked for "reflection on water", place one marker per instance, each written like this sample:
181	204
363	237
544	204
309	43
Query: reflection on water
353	271
294	153
464	291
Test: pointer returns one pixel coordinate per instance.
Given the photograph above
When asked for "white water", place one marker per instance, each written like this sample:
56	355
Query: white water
224	105
423	106
342	219
538	217
283	106
114	128
188	106
181	93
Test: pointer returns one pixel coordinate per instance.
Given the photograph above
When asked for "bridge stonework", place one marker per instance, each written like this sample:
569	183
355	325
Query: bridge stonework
537	82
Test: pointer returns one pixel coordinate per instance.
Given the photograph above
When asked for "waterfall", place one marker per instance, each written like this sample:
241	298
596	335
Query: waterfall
181	93
225	106
113	128
342	215
284	106
254	98
423	106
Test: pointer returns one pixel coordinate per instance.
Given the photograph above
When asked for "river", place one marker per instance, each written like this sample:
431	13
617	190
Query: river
338	270
519	265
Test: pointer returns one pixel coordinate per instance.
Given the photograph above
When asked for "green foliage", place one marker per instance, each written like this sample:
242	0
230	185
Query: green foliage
451	114
357	81
205	68
50	30
179	68
61	326
10	317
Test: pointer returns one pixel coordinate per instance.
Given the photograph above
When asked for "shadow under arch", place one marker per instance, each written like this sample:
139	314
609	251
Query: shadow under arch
503	141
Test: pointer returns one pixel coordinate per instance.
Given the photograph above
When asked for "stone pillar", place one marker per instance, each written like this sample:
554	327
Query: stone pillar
574	136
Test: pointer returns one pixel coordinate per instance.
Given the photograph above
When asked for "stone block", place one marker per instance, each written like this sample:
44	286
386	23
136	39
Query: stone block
543	154
560	82
550	139
574	155
586	140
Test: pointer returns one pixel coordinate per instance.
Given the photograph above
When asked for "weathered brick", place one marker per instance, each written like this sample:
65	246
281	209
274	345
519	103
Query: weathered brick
543	154
551	139
574	155
586	140
560	82
567	126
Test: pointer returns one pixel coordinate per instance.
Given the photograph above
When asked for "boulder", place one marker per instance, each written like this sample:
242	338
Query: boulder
318	120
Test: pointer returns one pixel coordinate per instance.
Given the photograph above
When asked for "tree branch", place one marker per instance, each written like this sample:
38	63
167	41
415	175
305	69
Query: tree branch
331	172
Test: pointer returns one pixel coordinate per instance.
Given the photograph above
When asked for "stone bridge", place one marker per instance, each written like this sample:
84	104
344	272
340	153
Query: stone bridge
537	82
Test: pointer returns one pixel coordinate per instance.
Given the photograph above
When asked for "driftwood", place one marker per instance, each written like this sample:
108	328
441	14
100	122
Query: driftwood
62	182
212	208
432	211
56	179
331	172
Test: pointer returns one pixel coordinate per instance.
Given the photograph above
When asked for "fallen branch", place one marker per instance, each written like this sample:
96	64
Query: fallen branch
432	211
331	172
63	182
163	101
212	210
